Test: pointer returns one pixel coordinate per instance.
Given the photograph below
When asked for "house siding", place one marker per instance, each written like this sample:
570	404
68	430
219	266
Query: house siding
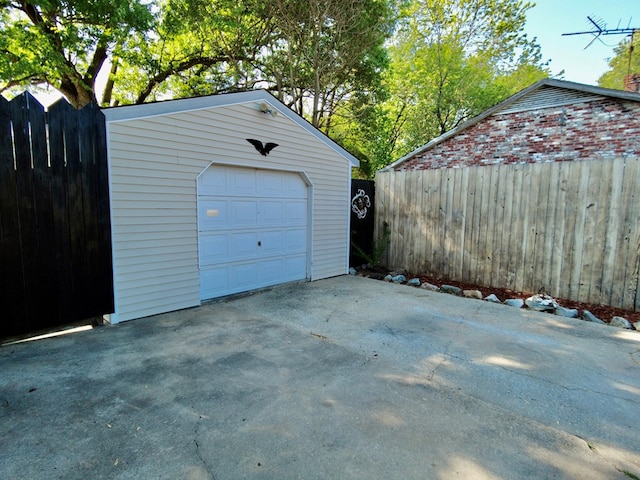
592	128
154	162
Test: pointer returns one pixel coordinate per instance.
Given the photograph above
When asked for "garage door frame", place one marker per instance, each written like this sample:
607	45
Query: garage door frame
310	201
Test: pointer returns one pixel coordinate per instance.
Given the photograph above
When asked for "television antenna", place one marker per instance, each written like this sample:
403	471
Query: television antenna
600	28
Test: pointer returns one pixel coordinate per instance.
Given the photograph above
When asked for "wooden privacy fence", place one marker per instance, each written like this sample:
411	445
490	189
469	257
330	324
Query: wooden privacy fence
55	234
570	228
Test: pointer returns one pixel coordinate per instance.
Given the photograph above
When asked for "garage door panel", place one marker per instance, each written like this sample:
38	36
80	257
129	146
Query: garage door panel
272	243
295	187
213	181
214	249
272	212
295	212
213	214
244	246
243	276
213	281
242	182
252	229
295	267
243	214
272	271
296	240
271	184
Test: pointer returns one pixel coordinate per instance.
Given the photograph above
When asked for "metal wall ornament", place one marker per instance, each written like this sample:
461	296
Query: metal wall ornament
360	204
263	148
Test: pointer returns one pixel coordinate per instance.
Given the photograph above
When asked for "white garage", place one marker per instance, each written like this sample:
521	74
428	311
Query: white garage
218	195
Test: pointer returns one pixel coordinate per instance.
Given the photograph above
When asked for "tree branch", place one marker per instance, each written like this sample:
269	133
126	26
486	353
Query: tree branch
173	70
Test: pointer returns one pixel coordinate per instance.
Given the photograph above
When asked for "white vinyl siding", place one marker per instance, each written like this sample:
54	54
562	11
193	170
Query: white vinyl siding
154	163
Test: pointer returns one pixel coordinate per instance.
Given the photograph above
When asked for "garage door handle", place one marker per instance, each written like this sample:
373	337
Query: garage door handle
259	244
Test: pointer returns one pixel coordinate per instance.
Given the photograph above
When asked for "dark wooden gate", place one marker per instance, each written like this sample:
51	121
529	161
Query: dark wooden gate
362	222
55	231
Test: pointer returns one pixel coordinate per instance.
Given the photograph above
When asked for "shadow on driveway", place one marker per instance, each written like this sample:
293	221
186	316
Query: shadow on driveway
345	378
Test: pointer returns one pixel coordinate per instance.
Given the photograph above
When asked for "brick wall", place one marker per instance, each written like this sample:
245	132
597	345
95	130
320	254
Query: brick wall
606	128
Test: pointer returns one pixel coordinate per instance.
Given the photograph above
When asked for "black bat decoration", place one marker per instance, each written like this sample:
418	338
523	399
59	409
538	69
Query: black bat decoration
263	149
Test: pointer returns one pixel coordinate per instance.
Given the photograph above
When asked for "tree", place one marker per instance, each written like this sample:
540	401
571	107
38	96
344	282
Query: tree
65	43
198	47
326	52
626	61
313	55
452	59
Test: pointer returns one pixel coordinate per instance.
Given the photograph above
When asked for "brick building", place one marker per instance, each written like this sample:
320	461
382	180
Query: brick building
551	121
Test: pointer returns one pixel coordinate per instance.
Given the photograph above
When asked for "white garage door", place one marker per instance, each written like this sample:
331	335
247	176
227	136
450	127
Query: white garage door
252	229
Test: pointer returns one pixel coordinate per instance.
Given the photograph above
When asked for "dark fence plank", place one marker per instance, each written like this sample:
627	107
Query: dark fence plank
104	261
19	108
61	113
55	231
88	171
43	301
13	292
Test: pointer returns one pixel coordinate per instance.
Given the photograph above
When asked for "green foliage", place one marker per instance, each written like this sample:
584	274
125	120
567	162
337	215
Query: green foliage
197	47
314	55
625	61
381	77
378	247
64	43
328	53
452	59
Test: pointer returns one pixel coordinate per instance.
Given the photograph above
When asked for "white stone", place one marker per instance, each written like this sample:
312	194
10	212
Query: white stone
514	302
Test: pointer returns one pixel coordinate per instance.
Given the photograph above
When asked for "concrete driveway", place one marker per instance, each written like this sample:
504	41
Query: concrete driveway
345	378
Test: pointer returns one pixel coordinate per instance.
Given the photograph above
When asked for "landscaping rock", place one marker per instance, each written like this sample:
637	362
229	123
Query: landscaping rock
376	276
451	289
492	298
636	325
399	278
541	303
620	322
590	317
395	273
388	278
352	271
430	286
514	302
472	294
567	312
414	282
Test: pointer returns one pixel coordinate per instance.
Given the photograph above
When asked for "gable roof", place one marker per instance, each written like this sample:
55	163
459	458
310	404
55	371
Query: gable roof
543	94
131	112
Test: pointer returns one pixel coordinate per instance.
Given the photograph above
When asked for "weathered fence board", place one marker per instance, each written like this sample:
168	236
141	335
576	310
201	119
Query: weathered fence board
55	250
569	228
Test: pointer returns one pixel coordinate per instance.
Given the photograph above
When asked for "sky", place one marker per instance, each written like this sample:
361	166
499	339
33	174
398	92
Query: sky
549	19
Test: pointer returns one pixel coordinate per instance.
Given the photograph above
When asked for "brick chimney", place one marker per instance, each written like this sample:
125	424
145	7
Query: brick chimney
632	83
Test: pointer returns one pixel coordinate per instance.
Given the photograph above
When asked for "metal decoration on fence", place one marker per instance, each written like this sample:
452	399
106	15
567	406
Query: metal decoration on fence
362	221
360	204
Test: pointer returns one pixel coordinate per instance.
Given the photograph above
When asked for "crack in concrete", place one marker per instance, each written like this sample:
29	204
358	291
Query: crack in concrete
444	354
566	387
199	453
595	451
